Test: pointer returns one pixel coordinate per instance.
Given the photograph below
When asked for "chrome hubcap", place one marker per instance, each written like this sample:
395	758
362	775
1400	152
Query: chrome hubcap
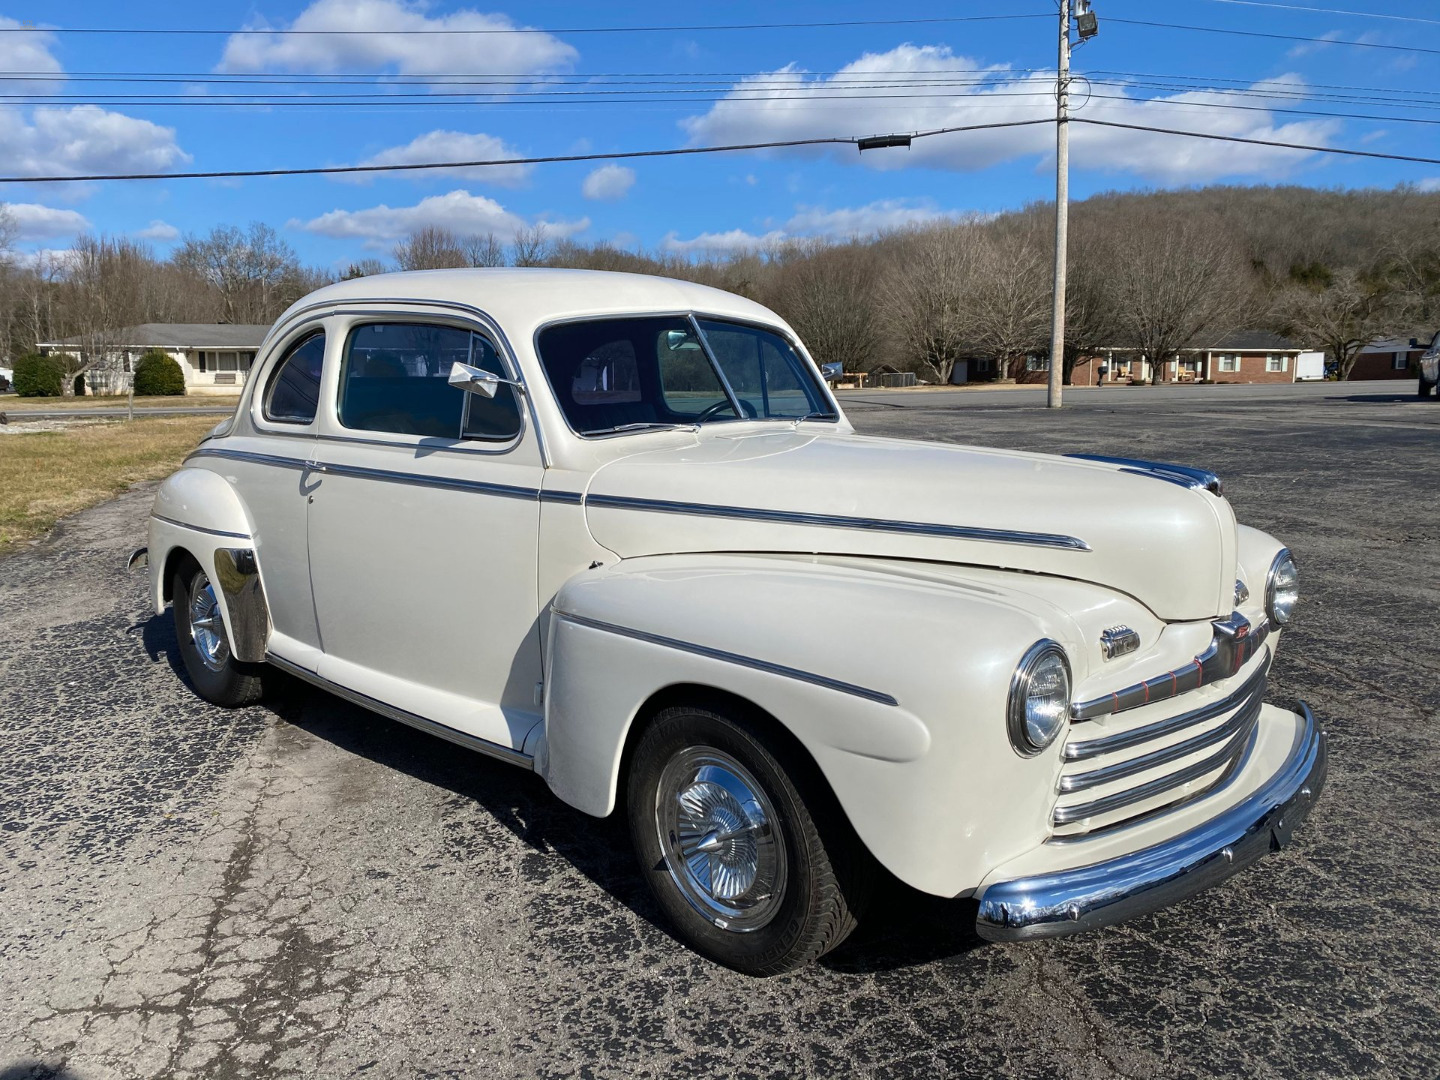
207	629
722	847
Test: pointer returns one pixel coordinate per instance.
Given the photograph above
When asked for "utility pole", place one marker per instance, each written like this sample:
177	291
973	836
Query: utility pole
1062	208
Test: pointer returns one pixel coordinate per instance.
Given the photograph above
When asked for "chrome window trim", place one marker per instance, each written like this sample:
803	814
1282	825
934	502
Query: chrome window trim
392	712
730	658
371	318
1252	688
259	386
838	521
368	306
200	529
690	314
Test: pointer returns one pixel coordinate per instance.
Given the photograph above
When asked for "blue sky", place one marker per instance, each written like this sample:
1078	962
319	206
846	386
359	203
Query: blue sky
901	77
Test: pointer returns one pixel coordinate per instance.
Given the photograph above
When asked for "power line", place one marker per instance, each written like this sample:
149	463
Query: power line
699	28
1273	37
331	170
1256	142
1329	11
1265	109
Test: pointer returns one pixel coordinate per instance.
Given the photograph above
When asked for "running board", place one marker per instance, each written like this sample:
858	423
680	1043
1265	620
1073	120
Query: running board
430	727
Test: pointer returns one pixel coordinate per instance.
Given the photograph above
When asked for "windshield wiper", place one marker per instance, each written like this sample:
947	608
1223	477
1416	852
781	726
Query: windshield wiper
652	425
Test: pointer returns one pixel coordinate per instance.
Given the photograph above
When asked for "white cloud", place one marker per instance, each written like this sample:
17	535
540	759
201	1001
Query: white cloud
1430	183
755	110
22	50
161	231
722	243
35	222
884	215
608	183
452	146
461	212
85	139
393	43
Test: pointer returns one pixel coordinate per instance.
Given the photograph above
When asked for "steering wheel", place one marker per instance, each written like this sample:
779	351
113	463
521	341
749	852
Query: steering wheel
747	410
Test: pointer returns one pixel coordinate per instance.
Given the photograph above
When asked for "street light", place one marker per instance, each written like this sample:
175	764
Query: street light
1086	25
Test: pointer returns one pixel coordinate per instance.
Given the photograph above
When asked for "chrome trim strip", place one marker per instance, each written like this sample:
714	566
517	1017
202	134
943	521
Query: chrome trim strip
1184	475
1069	815
838	521
197	528
250	456
1233	644
1133	766
1110	891
730	658
617	502
391	712
1253	687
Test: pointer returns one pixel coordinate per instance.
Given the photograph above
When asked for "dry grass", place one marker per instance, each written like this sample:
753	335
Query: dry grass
12	404
45	475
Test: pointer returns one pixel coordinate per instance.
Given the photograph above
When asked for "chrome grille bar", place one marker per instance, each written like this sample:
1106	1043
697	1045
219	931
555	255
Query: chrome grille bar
1227	754
1252	688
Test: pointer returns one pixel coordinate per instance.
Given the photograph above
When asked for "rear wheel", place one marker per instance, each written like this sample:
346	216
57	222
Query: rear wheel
1426	390
204	646
751	872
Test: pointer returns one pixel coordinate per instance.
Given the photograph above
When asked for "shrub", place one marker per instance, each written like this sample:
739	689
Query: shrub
157	375
38	376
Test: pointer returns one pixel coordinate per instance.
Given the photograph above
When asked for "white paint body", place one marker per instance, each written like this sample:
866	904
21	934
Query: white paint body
783	557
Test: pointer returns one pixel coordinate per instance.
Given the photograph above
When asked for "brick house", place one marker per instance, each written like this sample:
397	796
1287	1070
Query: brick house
1391	358
1248	356
215	357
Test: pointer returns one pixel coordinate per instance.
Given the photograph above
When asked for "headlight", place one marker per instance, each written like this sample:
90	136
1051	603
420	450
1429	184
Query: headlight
1282	588
1039	702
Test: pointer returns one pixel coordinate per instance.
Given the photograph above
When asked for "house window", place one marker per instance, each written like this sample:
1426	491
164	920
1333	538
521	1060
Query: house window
226	361
1037	363
1400	362
246	359
1229	362
1277	362
982	365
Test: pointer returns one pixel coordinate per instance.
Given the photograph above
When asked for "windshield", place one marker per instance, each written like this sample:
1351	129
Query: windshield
636	372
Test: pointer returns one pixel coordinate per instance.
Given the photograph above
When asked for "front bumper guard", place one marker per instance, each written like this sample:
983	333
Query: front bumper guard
1087	897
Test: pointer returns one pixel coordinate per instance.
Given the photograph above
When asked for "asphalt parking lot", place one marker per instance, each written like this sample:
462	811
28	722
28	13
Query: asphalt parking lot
306	888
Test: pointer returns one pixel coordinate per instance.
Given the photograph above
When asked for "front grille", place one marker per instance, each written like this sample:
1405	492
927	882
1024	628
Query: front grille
1142	764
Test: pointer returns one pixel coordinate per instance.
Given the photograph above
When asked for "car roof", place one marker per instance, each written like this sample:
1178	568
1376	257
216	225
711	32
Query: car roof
521	299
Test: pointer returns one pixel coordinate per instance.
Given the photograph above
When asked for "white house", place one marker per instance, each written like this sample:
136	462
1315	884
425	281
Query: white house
215	357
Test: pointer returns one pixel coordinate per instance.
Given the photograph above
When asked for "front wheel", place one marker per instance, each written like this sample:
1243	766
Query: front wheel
1426	389
732	851
204	647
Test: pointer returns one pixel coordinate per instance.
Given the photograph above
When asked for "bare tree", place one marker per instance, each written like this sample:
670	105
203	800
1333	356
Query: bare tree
827	292
430	248
363	268
1172	281
926	297
1344	311
100	295
483	249
1008	302
531	246
254	273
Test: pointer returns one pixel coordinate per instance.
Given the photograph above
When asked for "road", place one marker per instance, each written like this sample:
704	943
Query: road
305	888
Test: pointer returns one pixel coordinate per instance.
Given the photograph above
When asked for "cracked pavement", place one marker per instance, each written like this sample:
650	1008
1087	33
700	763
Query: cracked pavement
306	888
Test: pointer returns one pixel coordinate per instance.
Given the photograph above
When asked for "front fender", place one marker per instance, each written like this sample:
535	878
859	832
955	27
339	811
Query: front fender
197	513
894	682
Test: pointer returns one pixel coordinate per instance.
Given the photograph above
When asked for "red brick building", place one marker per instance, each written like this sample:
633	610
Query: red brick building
1392	358
1250	356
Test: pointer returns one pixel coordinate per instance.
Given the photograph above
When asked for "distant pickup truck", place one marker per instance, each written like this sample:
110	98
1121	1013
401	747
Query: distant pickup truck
1430	370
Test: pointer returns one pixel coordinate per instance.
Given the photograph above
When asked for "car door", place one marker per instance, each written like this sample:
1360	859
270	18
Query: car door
423	528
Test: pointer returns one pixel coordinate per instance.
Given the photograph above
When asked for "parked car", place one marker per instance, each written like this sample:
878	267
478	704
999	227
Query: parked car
1430	370
616	530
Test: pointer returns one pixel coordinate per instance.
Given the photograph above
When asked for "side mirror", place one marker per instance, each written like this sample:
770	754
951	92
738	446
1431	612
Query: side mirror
475	381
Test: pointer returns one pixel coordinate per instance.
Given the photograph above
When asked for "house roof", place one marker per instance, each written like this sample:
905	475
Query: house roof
1257	340
183	335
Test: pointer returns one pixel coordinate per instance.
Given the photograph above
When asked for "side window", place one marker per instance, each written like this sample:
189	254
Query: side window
394	377
294	390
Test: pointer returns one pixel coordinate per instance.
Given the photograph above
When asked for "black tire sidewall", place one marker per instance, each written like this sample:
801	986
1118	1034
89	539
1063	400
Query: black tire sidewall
770	948
234	684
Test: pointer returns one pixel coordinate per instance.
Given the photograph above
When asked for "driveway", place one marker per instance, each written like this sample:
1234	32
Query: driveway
305	888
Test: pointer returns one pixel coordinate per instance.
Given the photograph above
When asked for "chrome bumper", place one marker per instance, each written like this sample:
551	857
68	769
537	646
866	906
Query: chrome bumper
1108	892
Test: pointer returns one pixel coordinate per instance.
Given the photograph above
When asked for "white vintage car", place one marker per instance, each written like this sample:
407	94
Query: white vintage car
615	529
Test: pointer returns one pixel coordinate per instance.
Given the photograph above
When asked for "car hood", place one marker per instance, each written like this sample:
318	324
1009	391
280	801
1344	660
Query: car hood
1169	546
